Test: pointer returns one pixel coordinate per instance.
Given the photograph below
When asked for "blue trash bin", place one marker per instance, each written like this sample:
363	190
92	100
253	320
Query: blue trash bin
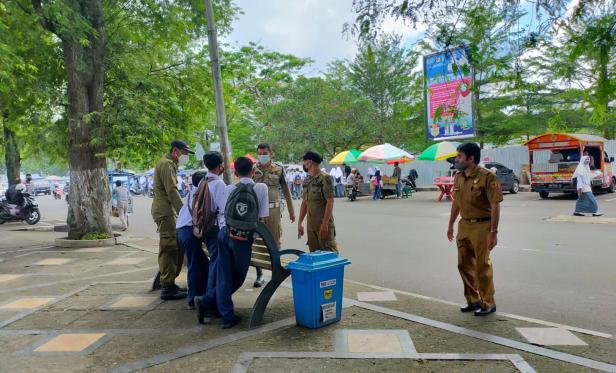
318	279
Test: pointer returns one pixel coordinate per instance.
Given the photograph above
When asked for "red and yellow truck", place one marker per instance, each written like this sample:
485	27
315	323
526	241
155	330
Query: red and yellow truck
553	158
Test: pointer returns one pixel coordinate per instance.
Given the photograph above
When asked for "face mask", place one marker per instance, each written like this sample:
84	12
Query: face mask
264	158
183	159
460	166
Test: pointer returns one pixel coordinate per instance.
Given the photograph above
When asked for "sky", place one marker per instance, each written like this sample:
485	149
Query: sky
305	28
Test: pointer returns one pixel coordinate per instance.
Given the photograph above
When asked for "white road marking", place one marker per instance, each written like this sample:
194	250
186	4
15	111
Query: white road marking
610	200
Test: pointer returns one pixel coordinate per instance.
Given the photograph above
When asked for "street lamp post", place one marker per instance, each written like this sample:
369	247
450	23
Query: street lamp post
221	119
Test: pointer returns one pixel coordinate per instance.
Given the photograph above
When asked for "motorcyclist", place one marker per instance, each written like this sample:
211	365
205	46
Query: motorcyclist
15	195
351	182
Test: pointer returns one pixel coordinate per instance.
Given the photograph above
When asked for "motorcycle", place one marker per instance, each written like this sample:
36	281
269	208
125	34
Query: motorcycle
28	212
352	192
58	193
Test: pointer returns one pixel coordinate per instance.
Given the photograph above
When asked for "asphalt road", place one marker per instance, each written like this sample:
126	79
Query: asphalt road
562	272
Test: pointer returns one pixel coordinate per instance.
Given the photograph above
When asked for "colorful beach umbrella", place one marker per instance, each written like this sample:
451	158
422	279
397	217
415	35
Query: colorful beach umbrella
440	151
347	156
386	153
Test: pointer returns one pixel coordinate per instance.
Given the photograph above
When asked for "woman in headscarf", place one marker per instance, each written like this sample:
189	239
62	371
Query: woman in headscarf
586	202
376	181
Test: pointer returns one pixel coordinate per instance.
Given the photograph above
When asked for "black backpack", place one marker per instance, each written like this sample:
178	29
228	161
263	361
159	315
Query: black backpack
242	210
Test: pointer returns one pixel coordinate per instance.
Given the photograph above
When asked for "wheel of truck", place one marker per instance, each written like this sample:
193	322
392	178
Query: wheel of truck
515	188
612	187
544	195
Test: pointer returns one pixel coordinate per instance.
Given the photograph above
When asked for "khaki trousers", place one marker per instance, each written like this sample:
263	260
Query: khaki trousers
474	262
273	224
315	242
170	256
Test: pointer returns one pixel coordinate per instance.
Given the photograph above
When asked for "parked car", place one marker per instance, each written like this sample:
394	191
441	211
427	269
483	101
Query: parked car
40	187
507	178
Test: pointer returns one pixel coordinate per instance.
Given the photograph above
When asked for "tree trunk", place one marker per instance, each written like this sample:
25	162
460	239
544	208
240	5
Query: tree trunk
89	197
11	152
604	87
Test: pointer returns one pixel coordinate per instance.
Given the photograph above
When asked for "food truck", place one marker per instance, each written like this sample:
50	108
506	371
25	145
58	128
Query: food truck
553	158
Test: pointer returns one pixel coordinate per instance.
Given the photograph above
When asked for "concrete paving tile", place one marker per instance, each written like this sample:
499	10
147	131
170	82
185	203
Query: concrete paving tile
93	250
70	342
7	278
26	303
126	261
133	301
376	342
97	319
54	261
377	365
46	319
376	296
172	319
551	337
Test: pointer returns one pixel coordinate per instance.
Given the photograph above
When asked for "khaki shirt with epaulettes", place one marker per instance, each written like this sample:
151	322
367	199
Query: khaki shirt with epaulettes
317	190
273	177
475	193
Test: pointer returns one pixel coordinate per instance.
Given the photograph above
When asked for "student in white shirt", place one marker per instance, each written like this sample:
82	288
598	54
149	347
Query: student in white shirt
234	252
217	187
196	260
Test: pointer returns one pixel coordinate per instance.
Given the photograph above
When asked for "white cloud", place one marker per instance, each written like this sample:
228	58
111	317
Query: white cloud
305	28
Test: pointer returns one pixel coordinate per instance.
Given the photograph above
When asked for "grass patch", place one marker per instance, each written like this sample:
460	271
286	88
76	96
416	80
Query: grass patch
96	236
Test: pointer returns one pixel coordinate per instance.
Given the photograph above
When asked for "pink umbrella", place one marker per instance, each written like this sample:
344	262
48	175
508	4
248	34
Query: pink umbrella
386	153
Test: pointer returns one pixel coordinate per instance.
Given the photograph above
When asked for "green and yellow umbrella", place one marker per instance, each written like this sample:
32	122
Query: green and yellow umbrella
347	156
440	151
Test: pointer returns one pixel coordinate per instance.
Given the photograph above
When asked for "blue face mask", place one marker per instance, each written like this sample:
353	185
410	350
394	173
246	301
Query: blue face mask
264	158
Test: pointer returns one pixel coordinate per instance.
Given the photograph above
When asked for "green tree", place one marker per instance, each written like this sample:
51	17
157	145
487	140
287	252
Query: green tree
91	34
581	53
30	81
253	79
382	71
315	113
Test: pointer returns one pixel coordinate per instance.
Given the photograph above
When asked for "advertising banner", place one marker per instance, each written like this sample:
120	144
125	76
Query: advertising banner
449	99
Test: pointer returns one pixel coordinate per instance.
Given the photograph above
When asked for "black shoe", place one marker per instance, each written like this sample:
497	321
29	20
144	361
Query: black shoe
171	293
578	214
201	311
597	214
485	311
259	281
471	307
228	325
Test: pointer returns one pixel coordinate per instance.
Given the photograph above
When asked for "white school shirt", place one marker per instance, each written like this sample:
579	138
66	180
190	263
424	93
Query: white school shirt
218	196
185	216
261	192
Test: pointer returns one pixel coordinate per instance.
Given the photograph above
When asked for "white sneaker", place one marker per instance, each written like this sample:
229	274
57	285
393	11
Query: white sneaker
597	214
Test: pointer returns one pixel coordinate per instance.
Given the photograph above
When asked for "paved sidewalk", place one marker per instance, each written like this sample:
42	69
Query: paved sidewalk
74	310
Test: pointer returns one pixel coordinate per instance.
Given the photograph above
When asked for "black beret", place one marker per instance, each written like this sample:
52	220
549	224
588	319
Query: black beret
313	156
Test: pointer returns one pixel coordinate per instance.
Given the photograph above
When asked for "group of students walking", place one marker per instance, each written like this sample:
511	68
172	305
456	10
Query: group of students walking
224	218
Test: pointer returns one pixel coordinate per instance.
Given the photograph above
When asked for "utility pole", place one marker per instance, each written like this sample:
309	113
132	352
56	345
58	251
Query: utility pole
221	119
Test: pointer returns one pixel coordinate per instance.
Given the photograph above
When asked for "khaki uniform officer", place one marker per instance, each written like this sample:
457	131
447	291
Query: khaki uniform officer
318	205
477	200
165	207
272	175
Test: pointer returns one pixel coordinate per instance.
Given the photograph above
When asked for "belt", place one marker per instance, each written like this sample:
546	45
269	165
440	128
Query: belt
273	205
477	220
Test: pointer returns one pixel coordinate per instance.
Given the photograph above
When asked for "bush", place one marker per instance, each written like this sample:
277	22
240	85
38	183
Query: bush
96	236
